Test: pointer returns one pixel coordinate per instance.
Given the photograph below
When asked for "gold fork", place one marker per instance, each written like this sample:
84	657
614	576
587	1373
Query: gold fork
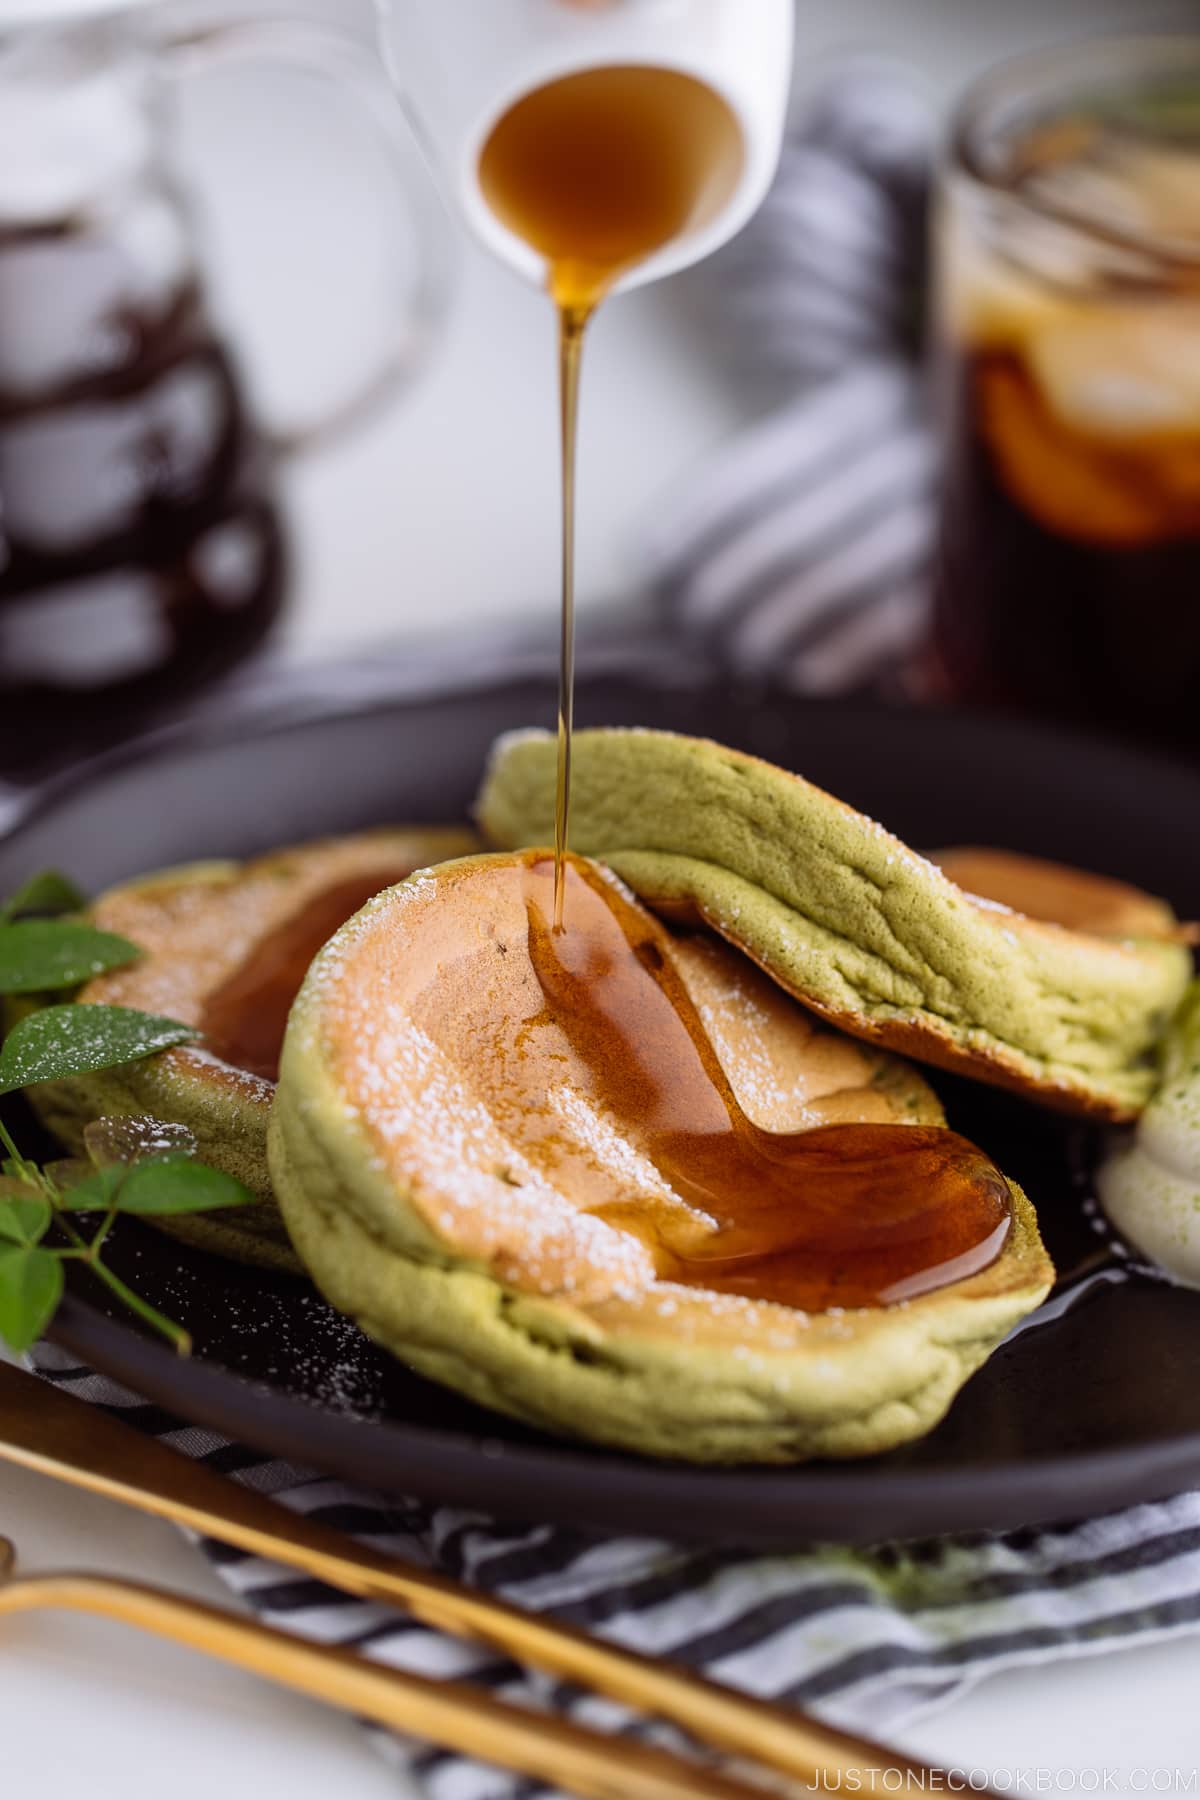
44	1429
451	1714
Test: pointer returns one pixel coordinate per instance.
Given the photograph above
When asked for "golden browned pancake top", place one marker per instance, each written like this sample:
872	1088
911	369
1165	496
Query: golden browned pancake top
226	945
1057	894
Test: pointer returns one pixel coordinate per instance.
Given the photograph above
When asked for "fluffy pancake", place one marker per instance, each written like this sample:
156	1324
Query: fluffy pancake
867	933
455	1180
225	946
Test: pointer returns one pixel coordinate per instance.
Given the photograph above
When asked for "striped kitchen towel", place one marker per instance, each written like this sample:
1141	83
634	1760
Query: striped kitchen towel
803	548
865	1639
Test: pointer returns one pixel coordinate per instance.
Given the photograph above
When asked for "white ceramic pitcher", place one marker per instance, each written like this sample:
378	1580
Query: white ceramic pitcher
460	65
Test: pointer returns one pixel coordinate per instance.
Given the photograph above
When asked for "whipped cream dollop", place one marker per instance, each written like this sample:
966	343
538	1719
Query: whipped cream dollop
1149	1185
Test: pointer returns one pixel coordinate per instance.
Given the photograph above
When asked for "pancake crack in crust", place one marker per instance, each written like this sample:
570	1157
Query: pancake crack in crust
863	930
492	1237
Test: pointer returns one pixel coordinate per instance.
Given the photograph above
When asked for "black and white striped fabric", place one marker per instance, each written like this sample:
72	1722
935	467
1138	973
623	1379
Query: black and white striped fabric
867	1639
803	549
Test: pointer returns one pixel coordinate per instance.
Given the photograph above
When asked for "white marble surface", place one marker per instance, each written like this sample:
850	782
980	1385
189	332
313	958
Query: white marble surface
440	515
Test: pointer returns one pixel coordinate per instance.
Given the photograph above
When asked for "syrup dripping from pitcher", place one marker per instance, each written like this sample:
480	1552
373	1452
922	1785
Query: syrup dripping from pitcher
596	172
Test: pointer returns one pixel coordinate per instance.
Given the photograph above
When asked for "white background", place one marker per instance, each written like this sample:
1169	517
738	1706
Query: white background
438	516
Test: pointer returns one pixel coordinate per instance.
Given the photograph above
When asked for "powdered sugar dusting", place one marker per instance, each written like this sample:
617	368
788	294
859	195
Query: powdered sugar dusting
486	1124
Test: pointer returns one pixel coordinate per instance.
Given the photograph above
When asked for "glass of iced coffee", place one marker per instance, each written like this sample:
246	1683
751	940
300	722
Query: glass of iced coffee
1068	357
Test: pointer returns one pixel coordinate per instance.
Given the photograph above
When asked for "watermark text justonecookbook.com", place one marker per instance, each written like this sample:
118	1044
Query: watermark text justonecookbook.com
953	1780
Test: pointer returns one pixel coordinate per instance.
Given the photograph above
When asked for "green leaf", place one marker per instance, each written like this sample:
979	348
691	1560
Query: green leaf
48	893
40	955
60	1041
157	1186
178	1184
24	1218
31	1285
96	1192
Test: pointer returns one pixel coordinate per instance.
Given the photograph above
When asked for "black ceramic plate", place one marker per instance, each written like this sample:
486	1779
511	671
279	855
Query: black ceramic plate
1097	1407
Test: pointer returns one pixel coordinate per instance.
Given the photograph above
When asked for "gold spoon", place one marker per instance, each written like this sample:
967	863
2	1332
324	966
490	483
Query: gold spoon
457	1717
44	1429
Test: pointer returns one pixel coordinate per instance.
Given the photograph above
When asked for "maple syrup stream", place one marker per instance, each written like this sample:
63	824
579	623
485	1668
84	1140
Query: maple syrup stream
596	172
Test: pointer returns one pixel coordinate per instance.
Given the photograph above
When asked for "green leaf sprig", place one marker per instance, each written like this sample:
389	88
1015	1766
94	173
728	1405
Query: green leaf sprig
64	1212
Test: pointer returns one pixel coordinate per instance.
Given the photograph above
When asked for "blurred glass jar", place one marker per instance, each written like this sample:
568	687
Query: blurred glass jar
141	550
1068	358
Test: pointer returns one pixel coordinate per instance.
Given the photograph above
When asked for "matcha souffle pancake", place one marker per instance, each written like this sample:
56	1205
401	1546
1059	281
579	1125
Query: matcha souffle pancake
1063	1006
615	1182
225	946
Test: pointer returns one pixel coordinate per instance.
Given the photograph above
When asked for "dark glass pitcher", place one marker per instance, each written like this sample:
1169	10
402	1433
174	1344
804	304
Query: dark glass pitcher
141	548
